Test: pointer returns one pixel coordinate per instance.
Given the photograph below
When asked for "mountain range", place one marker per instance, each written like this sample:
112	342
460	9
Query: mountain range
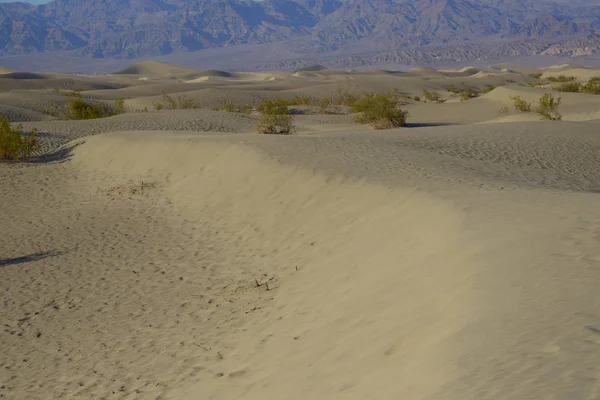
357	31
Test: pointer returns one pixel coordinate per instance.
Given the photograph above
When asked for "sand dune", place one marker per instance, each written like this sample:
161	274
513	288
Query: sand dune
156	69
395	275
177	255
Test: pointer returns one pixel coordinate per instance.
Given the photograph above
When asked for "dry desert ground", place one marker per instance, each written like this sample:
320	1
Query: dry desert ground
170	252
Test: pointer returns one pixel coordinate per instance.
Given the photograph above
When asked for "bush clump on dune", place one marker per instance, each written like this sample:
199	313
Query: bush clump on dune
592	86
13	145
381	110
81	109
274	118
560	79
548	107
521	105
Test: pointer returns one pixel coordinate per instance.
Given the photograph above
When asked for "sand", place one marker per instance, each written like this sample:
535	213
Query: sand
175	254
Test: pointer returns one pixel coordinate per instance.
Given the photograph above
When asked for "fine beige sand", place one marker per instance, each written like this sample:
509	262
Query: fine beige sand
175	254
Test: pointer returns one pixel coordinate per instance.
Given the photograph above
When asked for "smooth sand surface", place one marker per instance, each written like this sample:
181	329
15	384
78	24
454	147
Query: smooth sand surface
176	255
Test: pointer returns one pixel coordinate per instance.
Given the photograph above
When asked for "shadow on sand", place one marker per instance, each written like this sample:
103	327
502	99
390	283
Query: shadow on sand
5	262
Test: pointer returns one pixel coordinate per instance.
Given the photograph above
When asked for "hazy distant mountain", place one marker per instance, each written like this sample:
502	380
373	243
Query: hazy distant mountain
142	28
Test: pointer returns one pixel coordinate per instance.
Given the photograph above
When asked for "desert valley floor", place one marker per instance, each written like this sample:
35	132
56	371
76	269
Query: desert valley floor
171	252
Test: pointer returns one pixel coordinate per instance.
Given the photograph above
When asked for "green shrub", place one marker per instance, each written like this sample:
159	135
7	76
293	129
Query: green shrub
326	106
431	95
504	111
488	89
521	105
274	118
536	75
560	79
382	110
119	106
417	98
572	87
344	97
548	107
180	102
467	94
158	106
14	146
592	86
453	89
80	109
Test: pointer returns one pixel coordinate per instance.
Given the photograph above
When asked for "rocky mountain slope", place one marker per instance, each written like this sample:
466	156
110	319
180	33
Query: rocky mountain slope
368	29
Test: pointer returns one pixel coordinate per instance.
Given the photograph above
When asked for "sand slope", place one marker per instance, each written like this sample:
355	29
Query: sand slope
443	262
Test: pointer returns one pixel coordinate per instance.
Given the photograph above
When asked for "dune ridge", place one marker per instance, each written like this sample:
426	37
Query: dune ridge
366	283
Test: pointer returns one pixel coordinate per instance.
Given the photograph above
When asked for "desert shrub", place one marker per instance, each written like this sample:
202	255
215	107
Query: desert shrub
56	90
431	95
572	87
80	109
119	106
467	94
504	111
453	89
274	118
536	75
592	86
521	105
488	89
381	110
560	79
229	107
13	145
158	106
344	97
174	103
326	106
417	98
548	107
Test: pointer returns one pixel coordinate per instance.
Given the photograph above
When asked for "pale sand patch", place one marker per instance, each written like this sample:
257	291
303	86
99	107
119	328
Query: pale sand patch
444	262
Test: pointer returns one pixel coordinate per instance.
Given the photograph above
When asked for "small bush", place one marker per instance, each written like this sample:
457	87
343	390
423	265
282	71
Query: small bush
158	106
572	87
326	106
488	89
504	111
548	107
453	89
521	105
274	118
80	109
560	79
431	95
417	98
379	109
14	146
119	106
536	75
344	97
180	102
592	86
467	94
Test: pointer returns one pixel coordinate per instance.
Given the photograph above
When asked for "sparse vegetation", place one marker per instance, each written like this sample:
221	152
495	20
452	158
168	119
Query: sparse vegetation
453	89
13	145
119	106
592	86
504	111
488	89
381	110
274	118
536	75
572	87
560	79
175	103
81	109
521	105
432	95
229	107
467	94
548	107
